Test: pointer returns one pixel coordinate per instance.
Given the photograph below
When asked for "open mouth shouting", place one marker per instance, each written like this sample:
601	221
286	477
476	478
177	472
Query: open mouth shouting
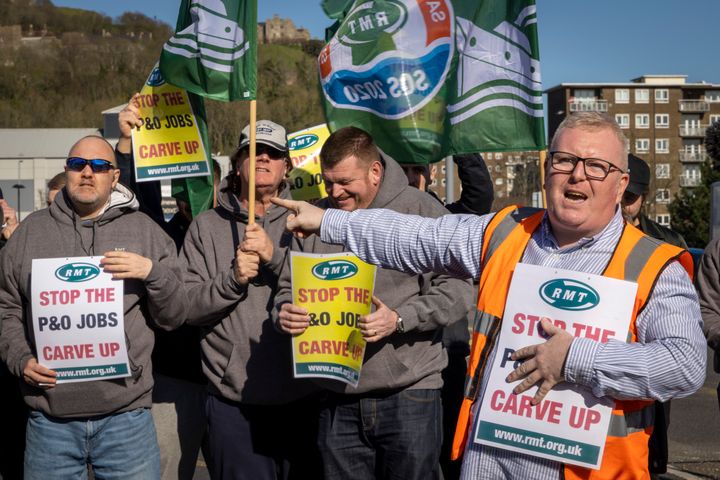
575	196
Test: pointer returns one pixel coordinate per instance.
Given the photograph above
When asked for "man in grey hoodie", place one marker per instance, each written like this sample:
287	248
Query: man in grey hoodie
390	426
105	423
260	422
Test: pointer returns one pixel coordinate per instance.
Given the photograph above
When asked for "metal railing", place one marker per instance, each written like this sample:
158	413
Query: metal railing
692	130
588	105
690	181
693	156
694	105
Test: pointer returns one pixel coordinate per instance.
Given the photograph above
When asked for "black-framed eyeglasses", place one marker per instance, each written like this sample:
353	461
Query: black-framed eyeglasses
97	165
595	168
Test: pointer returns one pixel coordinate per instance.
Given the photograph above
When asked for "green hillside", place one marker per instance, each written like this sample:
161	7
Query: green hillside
76	71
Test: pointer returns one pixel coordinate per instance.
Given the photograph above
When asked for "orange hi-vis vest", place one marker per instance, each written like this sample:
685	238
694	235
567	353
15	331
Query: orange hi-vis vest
637	258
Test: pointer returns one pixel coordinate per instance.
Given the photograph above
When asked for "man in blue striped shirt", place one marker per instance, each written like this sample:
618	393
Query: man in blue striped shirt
585	179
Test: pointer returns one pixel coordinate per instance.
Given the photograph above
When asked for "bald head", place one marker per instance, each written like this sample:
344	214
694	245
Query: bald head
93	146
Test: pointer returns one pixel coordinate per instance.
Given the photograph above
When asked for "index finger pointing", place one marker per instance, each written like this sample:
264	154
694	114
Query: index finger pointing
289	204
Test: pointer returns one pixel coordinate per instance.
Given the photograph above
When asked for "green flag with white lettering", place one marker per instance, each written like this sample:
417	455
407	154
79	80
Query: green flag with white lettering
213	52
430	78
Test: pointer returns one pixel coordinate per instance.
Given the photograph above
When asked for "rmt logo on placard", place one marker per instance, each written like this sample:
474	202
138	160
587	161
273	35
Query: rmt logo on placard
301	142
334	270
567	294
77	272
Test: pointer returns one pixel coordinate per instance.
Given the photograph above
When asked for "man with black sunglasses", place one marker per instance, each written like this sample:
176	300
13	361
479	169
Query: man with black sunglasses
105	423
581	230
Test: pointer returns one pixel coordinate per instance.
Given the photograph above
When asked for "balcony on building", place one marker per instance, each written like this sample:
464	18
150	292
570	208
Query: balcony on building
587	105
694	106
690	181
693	155
693	130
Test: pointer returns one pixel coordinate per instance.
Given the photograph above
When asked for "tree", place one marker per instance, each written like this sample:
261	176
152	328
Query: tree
690	209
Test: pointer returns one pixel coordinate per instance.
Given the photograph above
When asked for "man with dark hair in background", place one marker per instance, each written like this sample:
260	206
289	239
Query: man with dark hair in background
632	203
390	425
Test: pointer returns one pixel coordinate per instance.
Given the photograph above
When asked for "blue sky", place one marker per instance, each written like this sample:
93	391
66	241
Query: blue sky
580	40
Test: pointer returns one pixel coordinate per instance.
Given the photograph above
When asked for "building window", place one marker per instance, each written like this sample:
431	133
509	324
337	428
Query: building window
498	168
642	95
442	182
662	145
663	219
662	120
622	95
714	118
662	95
642	120
499	181
662	195
642	145
662	170
623	119
498	156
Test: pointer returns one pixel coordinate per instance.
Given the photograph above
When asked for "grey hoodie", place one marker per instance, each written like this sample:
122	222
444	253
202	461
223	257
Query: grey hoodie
245	359
426	303
58	232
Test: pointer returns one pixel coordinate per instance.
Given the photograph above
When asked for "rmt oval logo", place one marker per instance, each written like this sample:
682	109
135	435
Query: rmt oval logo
77	272
303	141
567	294
334	270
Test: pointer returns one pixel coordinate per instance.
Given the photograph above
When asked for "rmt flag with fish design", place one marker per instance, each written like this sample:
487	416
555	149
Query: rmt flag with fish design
429	78
213	53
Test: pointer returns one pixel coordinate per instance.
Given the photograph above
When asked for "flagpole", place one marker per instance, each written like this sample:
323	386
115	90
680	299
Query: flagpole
251	180
543	156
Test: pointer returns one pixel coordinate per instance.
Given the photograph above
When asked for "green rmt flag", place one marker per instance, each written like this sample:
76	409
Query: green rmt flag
429	78
496	97
214	50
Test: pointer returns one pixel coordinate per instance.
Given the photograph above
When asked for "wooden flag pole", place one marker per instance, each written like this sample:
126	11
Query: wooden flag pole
251	179
543	156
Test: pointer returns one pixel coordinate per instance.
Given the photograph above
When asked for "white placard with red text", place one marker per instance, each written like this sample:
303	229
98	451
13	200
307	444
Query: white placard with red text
78	319
570	424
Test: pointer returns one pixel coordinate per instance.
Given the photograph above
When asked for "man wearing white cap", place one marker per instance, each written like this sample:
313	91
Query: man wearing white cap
260	420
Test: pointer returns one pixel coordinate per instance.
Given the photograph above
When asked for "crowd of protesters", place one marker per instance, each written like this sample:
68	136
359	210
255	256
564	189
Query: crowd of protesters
209	316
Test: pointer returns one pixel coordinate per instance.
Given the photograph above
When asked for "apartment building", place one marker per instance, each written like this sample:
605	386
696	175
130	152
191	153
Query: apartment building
663	116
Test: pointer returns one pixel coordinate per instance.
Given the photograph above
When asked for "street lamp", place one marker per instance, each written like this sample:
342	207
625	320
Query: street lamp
19	186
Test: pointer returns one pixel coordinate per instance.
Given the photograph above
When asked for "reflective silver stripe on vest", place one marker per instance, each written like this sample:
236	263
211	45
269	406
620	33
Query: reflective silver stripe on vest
489	326
631	422
638	258
506	226
483	322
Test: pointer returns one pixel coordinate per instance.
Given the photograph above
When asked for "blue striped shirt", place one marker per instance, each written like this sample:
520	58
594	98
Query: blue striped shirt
667	362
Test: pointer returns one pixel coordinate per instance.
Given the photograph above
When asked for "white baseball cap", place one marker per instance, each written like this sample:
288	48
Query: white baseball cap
266	132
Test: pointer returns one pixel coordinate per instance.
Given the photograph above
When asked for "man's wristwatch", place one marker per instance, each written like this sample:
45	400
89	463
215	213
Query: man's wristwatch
399	325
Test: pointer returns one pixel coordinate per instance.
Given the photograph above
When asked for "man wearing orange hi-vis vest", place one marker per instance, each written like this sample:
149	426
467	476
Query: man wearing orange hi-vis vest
582	231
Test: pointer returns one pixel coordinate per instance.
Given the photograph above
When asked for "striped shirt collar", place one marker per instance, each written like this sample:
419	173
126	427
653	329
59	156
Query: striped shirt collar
611	232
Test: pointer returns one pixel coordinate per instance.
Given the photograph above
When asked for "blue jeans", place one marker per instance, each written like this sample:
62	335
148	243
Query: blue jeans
120	446
395	436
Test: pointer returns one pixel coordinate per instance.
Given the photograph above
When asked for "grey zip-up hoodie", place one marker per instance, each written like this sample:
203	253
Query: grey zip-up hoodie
58	232
245	359
426	303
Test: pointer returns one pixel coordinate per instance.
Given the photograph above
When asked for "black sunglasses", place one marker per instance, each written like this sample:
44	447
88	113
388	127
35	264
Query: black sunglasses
97	165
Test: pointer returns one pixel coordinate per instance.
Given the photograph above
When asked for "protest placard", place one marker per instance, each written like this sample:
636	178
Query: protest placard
337	290
306	182
78	319
168	144
570	424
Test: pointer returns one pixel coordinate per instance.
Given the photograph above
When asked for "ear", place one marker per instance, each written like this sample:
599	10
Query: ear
116	177
433	171
375	173
622	185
